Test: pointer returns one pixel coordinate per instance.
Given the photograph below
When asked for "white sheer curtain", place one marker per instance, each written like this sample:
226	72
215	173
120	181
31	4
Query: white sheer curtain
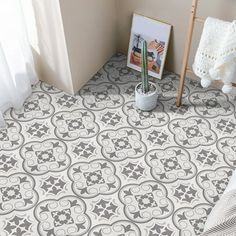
17	71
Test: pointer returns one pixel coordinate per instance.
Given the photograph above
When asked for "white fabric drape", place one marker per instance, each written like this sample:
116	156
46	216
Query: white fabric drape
17	71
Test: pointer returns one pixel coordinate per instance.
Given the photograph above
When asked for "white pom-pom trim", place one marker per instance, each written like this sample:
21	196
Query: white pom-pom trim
227	88
205	83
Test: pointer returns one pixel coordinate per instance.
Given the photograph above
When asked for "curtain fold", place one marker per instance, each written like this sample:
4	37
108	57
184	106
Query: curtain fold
17	71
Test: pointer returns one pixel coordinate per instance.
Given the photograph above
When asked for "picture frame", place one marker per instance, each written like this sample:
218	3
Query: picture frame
157	35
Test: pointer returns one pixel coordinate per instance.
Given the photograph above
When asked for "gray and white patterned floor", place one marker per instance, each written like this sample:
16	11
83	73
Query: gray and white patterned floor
92	164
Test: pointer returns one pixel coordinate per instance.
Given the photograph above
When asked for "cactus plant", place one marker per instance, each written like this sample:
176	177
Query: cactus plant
145	81
145	92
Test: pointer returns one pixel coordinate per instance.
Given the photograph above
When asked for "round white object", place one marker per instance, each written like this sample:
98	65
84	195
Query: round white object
227	88
205	83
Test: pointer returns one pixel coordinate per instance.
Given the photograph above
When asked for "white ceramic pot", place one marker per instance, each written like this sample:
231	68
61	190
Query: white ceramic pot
146	102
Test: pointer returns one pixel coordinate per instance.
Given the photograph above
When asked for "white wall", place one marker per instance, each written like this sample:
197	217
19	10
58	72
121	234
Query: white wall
76	37
176	13
47	39
90	32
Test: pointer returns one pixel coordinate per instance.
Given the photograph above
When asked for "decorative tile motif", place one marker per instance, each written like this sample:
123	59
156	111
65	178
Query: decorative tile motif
8	162
156	137
211	104
84	149
185	193
133	171
18	225
198	224
66	101
171	164
65	216
93	165
38	130
159	229
62	217
105	209
71	125
214	182
227	146
38	106
191	220
169	87
142	120
118	72
145	202
119	144
53	185
11	137
192	132
226	126
118	228
10	193
17	193
94	178
195	84
183	110
4	136
49	89
207	157
100	76
43	157
111	118
104	95
128	90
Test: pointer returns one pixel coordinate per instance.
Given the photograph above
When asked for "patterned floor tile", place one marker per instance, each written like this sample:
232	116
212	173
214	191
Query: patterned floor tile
92	164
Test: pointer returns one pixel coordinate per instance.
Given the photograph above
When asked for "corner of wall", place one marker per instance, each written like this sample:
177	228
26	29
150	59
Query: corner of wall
89	51
52	54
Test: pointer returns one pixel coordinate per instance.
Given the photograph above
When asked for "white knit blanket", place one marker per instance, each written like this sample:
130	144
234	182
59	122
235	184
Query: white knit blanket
222	219
216	55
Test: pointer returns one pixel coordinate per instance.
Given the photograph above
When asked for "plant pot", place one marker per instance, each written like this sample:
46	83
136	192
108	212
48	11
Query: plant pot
146	102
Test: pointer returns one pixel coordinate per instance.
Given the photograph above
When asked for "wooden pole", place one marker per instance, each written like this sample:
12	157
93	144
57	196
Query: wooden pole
186	52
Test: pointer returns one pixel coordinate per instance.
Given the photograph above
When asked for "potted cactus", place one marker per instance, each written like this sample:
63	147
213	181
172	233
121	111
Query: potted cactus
146	91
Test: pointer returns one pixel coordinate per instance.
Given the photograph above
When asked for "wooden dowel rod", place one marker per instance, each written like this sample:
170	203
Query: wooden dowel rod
189	70
186	52
185	68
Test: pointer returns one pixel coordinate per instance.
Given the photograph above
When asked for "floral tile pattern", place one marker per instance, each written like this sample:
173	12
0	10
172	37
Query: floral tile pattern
192	132
92	164
64	216
17	225
46	156
17	193
170	164
11	137
146	201
140	119
117	228
37	106
214	182
122	143
94	178
211	104
70	125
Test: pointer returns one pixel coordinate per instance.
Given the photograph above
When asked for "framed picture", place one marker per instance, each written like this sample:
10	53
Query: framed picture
157	35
